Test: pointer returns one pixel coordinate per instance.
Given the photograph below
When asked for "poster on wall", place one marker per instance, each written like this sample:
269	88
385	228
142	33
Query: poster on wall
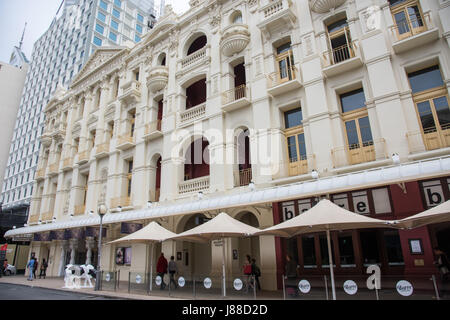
415	246
120	253
127	257
129	228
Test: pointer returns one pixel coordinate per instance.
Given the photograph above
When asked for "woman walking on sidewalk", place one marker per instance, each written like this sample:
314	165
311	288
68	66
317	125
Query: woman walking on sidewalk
44	266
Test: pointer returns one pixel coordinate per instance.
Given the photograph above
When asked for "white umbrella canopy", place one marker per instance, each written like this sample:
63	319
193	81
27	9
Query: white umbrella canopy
151	233
438	214
222	226
325	217
322	217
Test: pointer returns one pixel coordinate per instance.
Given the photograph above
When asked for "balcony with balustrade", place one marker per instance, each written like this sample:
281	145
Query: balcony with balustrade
67	164
413	32
244	177
341	59
53	169
235	38
195	59
34	219
157	79
131	92
236	98
47	216
194	185
285	80
360	156
102	151
429	143
83	157
191	115
123	202
275	14
79	210
153	130
126	142
40	174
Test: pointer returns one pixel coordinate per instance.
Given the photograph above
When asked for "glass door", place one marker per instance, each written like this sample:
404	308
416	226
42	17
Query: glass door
409	20
360	141
285	62
340	42
434	117
298	159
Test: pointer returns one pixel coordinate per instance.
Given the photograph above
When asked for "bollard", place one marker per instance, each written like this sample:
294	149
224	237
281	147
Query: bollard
284	288
433	278
326	286
129	282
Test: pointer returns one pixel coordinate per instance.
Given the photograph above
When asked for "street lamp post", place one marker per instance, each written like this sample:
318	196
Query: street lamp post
101	212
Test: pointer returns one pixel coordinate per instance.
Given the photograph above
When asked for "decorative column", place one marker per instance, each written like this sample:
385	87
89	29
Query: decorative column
73	248
90	242
64	246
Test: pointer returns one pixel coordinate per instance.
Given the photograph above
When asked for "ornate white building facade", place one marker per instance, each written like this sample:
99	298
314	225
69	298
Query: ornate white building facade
287	101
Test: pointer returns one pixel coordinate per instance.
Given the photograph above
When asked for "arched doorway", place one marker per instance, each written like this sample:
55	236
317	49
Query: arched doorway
245	246
197	160
196	257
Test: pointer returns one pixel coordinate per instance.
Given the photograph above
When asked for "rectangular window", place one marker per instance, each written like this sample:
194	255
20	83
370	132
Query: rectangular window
425	79
140	18
103	5
97	41
138	28
99	28
116	13
101	17
115	24
118	3
309	252
113	36
353	100
393	248
293	118
137	38
346	251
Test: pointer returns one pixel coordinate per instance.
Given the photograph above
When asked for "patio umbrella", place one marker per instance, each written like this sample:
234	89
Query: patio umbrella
152	234
437	214
221	227
324	217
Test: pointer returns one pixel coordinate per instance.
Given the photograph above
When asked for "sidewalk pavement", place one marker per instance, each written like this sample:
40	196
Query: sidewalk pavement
58	284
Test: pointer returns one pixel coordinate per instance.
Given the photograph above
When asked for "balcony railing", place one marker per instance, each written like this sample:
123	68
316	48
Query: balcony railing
47	216
430	139
193	58
153	127
120	202
282	76
83	156
194	185
102	148
67	162
40	173
359	153
245	177
126	139
274	7
79	210
53	168
131	92
340	54
235	94
34	219
193	114
411	27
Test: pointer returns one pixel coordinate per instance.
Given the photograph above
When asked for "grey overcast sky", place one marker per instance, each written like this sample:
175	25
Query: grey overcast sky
38	14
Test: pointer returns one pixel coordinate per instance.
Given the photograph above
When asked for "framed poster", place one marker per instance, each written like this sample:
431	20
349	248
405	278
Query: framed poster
415	246
120	252
179	256
127	257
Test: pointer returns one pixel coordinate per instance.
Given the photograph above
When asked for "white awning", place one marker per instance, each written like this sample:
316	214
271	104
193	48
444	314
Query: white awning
370	178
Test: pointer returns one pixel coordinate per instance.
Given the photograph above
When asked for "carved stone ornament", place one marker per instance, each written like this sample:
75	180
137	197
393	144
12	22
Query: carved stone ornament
324	6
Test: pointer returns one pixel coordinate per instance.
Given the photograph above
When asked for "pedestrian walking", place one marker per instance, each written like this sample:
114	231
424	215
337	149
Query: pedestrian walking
256	273
247	268
161	269
35	267
173	269
443	264
30	267
44	266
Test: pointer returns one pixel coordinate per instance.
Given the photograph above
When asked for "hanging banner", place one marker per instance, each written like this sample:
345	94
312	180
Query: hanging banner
129	228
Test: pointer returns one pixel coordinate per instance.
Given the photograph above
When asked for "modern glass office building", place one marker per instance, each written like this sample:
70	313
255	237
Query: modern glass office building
58	55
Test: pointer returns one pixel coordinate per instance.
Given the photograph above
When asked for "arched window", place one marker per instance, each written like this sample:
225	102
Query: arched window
197	160
236	17
198	44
